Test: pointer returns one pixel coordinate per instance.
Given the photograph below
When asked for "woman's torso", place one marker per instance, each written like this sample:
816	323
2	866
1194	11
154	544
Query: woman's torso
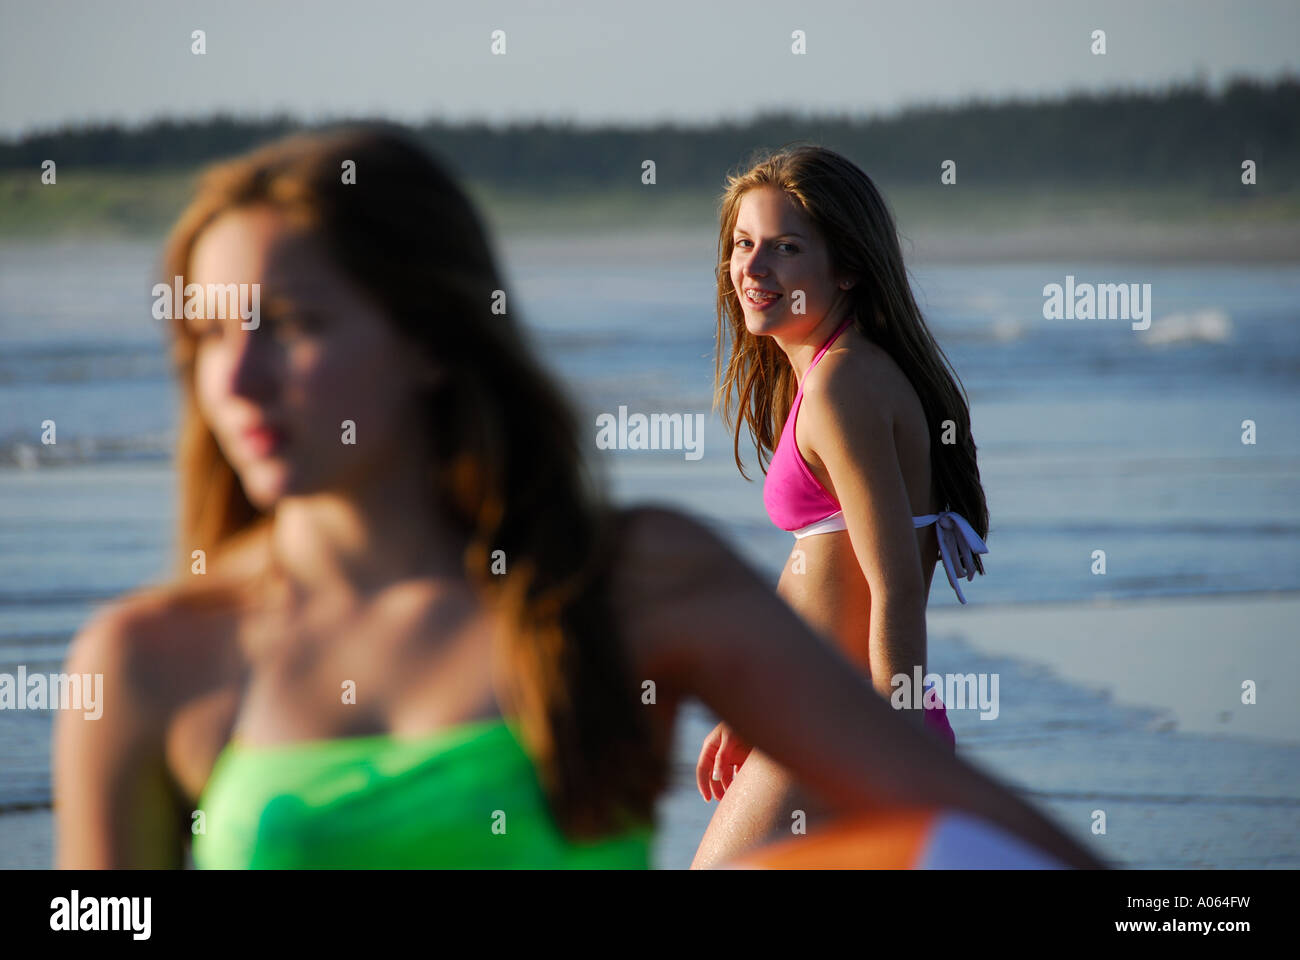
823	579
411	667
417	661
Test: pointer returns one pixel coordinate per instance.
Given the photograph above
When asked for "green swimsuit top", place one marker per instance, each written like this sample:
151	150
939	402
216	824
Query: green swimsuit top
464	797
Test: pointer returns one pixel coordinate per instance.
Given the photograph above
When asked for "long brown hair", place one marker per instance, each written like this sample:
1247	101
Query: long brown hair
755	385
510	474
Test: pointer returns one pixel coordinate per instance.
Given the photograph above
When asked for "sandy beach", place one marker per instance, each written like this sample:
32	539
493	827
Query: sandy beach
1150	242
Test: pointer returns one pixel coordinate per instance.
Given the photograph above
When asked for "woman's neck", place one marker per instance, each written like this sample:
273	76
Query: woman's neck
801	351
355	545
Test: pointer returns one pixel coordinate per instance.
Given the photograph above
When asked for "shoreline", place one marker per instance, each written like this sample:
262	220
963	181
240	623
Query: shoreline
1230	243
1147	243
1185	657
981	224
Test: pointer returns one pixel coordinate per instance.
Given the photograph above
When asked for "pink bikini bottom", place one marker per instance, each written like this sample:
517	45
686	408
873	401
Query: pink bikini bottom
936	721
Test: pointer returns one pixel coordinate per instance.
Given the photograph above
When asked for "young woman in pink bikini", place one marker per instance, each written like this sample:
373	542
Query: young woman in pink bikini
830	365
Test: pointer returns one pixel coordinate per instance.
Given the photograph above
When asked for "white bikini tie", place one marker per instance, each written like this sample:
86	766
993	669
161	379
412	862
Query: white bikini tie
955	536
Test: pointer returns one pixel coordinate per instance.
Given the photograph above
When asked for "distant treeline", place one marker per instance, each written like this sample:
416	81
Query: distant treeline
1182	135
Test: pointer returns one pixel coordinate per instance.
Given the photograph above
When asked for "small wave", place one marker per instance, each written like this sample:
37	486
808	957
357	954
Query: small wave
21	799
82	363
980	328
1007	327
57	598
25	454
1200	326
12	656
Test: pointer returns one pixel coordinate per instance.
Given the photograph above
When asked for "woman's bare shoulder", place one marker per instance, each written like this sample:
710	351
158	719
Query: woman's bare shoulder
865	378
650	535
159	633
664	549
148	641
670	575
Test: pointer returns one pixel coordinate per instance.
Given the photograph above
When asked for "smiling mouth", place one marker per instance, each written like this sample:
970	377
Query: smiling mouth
761	298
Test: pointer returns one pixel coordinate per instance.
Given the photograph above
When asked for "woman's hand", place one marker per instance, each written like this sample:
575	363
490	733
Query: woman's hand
721	756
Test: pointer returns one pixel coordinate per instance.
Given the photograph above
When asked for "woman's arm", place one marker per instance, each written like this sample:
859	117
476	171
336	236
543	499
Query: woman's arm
699	620
851	435
114	805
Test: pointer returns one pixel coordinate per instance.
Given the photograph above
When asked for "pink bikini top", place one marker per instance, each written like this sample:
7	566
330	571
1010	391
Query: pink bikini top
796	501
793	496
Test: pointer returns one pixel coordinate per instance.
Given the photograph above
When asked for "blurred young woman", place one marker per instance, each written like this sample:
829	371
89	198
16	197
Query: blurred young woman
824	356
406	631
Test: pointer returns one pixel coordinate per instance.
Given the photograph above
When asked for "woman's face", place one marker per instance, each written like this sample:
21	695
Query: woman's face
276	397
777	248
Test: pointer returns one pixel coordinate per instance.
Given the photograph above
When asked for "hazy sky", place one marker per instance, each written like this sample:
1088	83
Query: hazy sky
689	60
